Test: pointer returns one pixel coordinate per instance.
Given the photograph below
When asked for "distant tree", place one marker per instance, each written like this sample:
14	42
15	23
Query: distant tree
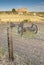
13	10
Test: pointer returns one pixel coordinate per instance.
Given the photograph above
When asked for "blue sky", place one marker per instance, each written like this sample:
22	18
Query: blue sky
32	5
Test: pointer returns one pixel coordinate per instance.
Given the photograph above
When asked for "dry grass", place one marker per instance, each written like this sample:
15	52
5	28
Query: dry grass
17	17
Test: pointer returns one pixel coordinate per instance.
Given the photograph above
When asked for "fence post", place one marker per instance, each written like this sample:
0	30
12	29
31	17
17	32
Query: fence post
10	44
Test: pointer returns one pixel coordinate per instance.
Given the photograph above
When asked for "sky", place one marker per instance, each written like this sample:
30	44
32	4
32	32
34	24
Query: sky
31	5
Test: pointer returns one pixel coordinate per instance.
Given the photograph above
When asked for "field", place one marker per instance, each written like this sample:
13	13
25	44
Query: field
28	49
38	17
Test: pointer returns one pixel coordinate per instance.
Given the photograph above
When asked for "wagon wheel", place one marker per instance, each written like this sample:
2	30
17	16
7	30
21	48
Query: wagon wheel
34	28
20	28
20	31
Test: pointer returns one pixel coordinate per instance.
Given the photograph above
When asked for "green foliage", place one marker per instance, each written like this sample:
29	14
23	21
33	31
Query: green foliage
25	21
14	11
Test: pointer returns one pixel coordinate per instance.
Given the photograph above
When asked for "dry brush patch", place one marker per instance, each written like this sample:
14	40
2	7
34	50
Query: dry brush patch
18	18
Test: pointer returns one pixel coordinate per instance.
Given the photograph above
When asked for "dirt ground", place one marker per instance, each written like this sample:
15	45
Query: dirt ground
27	51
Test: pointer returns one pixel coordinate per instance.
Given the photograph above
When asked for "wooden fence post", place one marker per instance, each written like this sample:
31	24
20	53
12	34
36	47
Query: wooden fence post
10	44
